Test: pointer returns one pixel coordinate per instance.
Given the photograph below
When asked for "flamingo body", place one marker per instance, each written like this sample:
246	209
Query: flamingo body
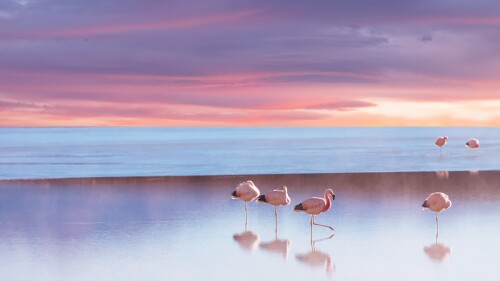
276	197
472	143
315	206
437	202
246	191
441	141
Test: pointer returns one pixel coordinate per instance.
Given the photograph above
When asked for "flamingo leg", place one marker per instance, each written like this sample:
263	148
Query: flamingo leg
312	219
246	215
313	222
437	226
276	220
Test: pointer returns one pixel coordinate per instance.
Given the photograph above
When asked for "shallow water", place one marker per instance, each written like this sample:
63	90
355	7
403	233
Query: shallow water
190	229
27	153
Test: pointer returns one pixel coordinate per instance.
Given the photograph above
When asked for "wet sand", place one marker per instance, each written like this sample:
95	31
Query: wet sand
188	228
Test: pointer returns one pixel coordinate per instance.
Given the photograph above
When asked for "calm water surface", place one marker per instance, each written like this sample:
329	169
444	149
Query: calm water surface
190	229
27	153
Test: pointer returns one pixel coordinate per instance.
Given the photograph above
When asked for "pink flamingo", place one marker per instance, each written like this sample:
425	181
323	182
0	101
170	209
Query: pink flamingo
437	202
276	198
441	141
472	143
315	206
246	191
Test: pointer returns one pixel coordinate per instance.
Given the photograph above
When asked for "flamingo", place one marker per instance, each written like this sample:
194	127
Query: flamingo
441	141
437	202
246	191
315	206
276	198
472	143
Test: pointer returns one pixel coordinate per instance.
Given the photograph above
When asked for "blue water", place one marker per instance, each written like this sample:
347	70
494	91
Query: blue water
118	151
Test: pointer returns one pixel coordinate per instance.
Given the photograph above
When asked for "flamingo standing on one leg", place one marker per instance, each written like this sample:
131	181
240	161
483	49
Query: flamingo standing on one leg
472	143
437	202
441	141
276	198
246	191
315	206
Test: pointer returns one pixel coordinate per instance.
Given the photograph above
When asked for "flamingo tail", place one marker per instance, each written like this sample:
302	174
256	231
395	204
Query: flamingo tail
299	208
425	204
262	199
234	195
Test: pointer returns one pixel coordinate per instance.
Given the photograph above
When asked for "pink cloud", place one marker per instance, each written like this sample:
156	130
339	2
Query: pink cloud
344	105
144	25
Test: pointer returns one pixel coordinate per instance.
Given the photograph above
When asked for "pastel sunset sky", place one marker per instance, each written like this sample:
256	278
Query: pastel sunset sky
249	63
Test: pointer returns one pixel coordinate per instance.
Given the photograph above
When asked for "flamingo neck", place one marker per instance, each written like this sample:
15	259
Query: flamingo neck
328	202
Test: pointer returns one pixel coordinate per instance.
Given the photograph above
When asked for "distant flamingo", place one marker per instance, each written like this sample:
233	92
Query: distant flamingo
276	198
437	202
441	141
472	143
315	206
246	191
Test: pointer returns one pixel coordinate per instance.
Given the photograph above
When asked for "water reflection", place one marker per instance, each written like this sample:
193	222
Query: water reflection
438	252
248	240
473	173
278	246
443	175
316	258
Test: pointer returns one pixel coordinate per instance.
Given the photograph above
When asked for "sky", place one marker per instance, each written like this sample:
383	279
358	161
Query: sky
249	63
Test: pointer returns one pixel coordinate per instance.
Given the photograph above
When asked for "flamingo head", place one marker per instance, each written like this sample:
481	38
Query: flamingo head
330	192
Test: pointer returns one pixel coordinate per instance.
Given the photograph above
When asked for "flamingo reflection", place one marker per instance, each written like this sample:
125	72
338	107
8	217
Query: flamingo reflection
279	246
443	175
248	240
316	258
438	252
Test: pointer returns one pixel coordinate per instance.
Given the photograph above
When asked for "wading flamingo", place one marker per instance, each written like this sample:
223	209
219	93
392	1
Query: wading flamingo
472	143
437	202
441	141
246	191
276	198
315	206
